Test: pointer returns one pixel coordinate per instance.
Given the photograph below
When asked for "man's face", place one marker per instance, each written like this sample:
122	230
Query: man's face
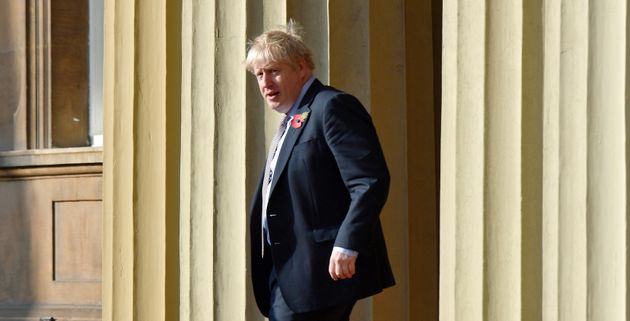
280	83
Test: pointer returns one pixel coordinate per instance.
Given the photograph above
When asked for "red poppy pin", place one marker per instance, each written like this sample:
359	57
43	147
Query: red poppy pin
299	119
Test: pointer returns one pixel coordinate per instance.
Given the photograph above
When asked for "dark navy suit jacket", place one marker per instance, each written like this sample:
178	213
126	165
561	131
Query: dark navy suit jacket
329	187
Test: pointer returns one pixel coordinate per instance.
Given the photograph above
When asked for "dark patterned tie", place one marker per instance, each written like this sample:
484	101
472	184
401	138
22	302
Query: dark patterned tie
273	149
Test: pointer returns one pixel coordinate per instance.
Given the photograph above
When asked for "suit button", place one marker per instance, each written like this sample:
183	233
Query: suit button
276	243
273	215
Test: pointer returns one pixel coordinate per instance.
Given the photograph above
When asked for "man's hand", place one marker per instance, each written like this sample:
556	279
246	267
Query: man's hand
341	265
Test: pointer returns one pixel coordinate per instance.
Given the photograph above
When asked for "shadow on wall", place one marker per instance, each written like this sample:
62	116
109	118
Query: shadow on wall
16	294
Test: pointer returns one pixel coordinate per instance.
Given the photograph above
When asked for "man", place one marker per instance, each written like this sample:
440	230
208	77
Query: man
317	243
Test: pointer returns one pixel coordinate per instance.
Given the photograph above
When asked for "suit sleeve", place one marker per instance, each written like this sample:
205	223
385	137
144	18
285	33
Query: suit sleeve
352	138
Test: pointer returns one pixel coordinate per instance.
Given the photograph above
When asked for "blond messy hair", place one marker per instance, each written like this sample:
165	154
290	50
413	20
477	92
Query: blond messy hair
280	45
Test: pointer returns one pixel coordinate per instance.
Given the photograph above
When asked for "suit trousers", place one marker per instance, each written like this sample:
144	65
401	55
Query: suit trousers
280	311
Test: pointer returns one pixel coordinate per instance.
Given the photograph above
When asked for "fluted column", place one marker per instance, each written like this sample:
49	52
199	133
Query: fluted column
585	161
488	214
197	161
230	197
503	146
607	177
141	189
534	161
462	162
565	161
225	128
222	152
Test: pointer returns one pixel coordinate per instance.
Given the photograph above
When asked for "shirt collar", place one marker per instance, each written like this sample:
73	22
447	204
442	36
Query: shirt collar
294	108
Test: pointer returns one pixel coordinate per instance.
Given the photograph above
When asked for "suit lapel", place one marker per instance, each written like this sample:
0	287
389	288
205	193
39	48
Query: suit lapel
294	133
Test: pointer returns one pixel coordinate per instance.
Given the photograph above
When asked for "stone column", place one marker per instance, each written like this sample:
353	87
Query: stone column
565	161
462	162
586	160
197	161
225	128
607	210
185	144
141	188
485	205
534	161
221	158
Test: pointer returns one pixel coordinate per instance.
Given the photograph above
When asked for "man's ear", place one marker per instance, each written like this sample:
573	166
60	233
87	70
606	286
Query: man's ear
303	68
